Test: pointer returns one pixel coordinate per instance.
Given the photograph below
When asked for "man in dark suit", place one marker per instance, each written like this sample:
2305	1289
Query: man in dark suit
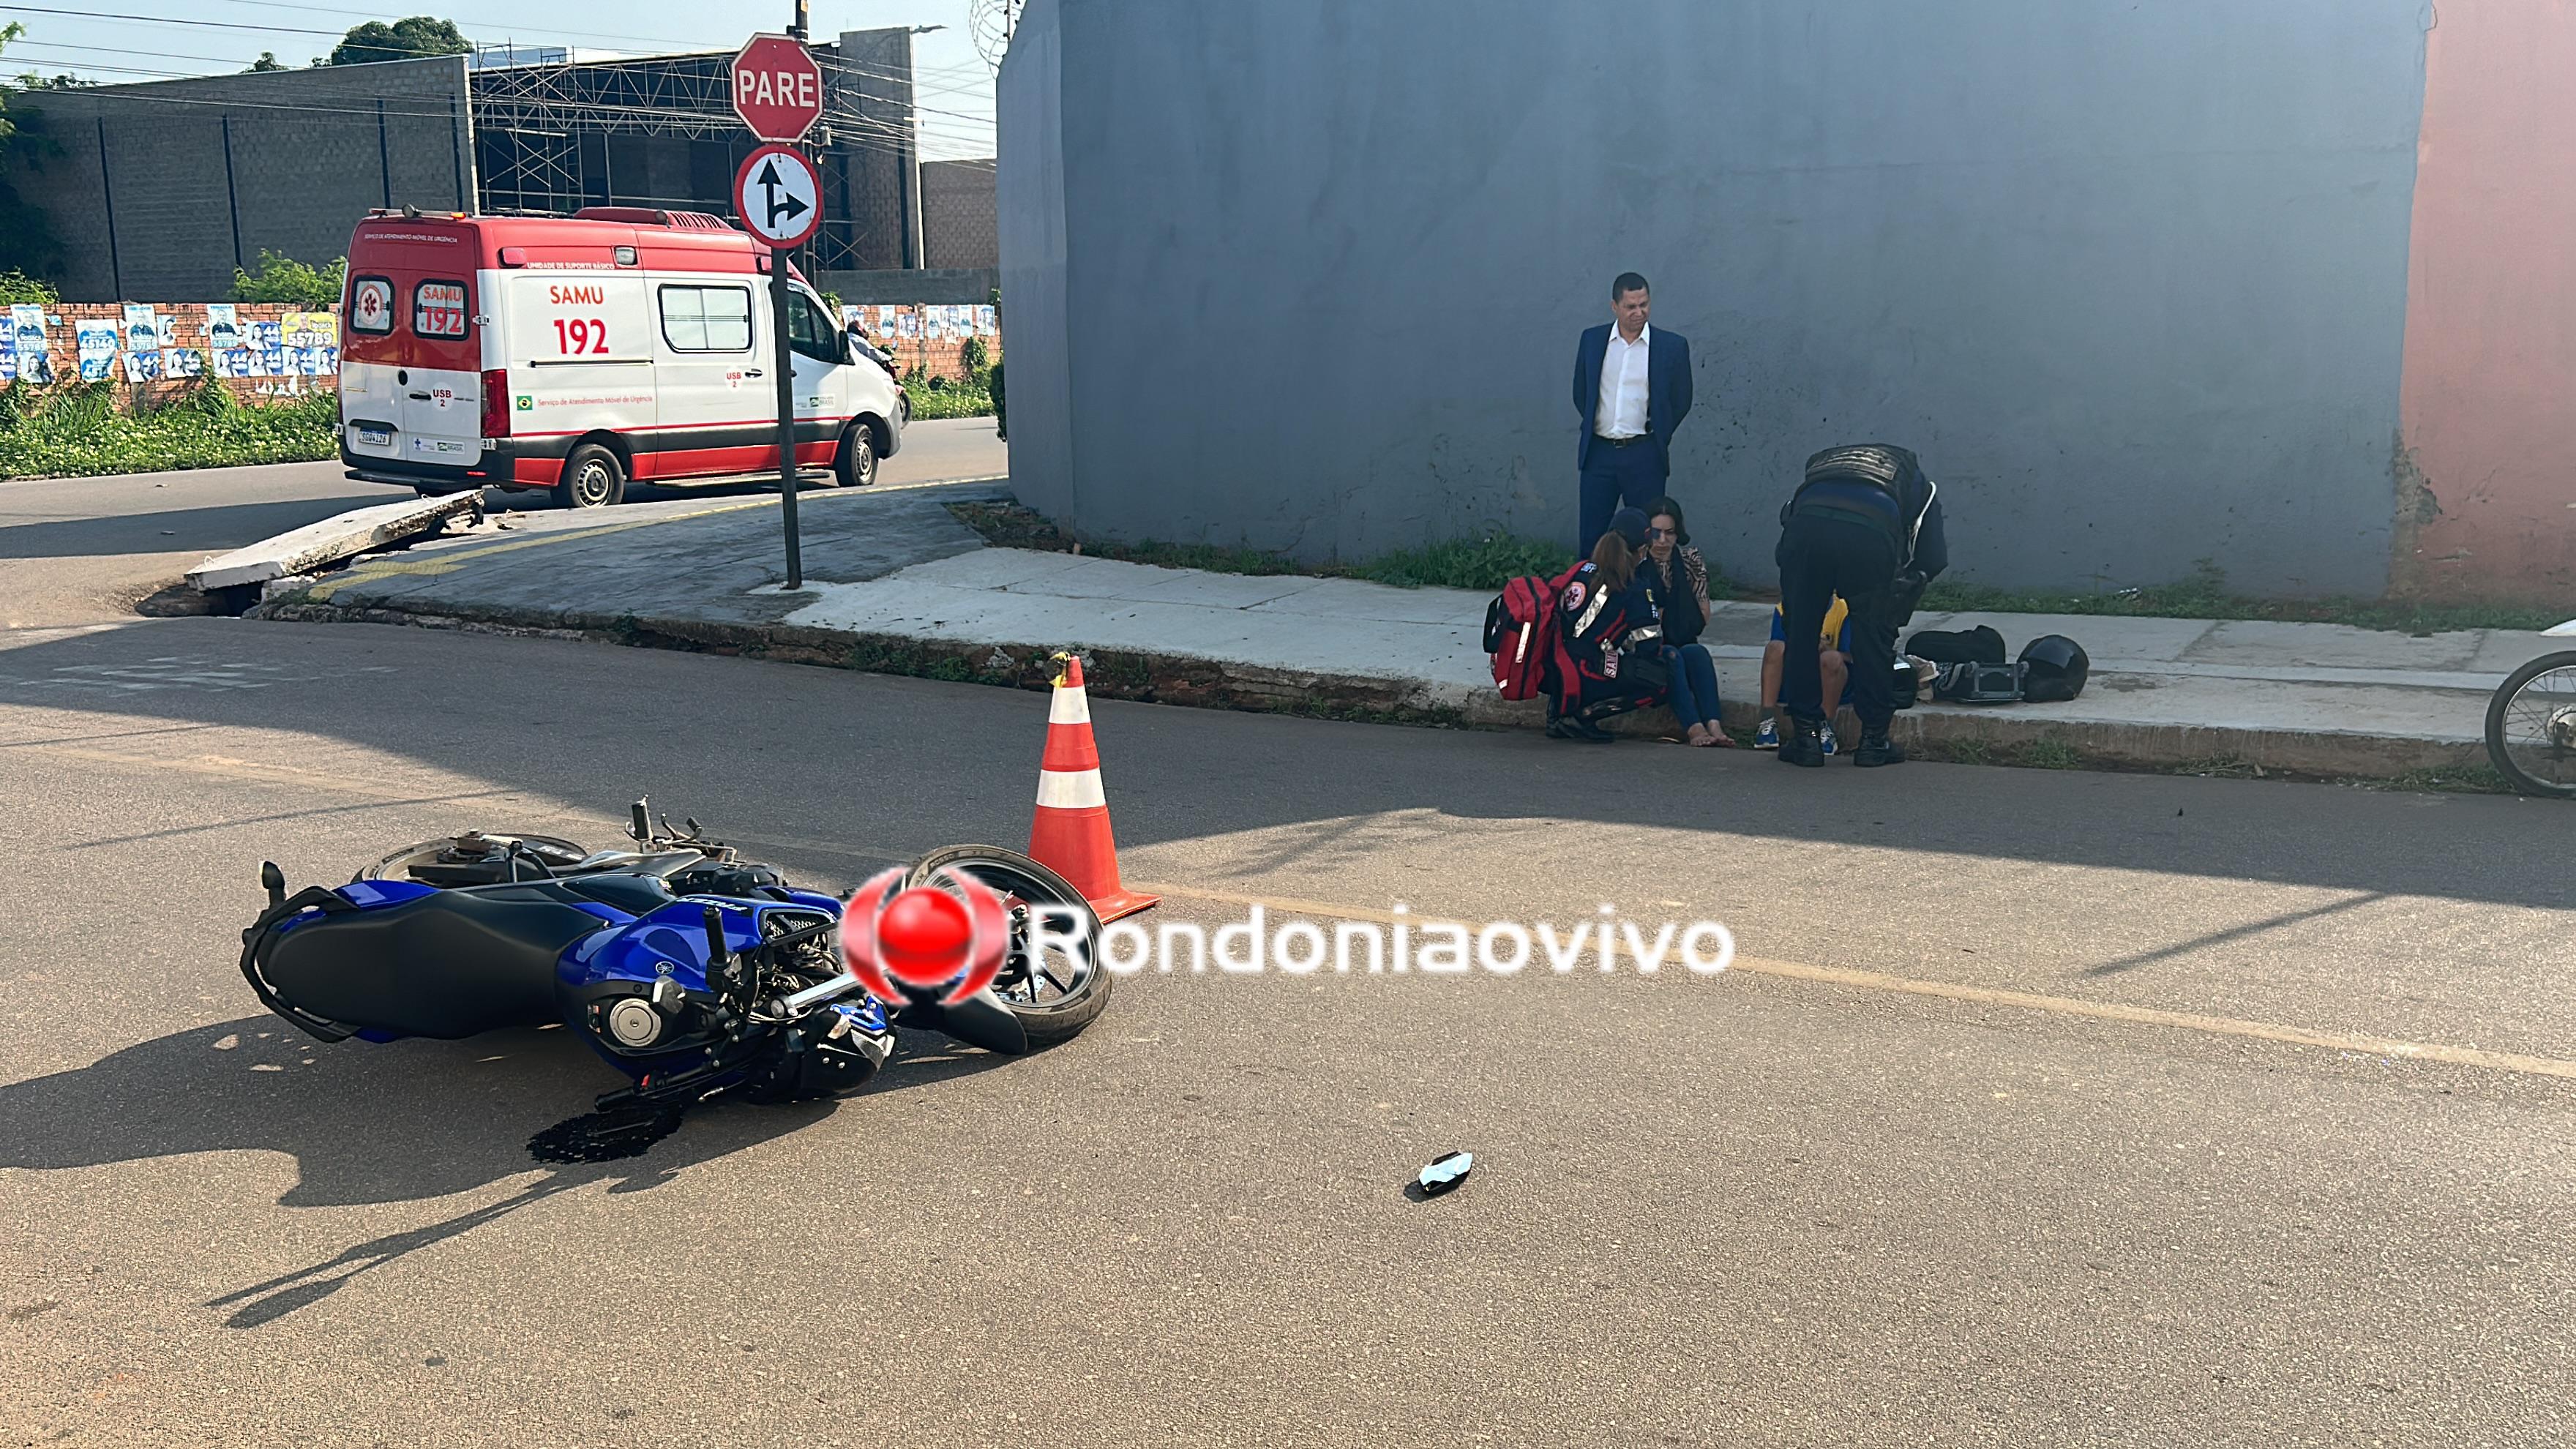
1632	388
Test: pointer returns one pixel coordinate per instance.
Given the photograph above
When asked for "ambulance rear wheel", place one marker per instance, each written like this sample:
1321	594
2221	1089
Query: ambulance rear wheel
591	478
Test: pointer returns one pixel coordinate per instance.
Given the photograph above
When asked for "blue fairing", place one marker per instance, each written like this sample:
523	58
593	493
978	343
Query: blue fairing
371	893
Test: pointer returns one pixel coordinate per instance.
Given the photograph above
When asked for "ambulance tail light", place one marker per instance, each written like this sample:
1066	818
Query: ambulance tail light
496	403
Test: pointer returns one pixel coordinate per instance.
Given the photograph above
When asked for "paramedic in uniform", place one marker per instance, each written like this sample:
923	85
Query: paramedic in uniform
1866	524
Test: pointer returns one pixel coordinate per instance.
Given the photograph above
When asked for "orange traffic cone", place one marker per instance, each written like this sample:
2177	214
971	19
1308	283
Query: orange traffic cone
1071	832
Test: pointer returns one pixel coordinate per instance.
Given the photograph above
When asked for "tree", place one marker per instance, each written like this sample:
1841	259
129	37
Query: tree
267	61
402	40
27	239
284	279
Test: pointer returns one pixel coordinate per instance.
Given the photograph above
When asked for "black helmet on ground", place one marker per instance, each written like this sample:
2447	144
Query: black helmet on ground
2054	668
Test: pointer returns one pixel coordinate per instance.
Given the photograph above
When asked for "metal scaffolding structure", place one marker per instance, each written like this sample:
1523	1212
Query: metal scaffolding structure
660	131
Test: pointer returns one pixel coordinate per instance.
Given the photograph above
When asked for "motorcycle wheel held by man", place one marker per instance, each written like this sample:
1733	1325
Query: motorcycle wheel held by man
690	970
2531	724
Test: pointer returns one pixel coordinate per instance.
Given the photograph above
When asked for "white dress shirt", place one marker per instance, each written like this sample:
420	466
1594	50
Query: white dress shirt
1622	411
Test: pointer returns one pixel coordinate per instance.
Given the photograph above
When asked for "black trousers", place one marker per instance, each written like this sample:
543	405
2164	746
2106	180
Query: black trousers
1821	555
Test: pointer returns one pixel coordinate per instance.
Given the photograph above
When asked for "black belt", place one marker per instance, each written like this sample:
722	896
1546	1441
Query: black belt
1880	521
1621	442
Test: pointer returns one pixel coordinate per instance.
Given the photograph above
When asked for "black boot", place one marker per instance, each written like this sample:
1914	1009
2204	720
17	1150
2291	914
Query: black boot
1877	749
1801	745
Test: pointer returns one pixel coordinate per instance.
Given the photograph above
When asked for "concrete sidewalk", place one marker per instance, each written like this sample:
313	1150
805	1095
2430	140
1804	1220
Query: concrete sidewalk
895	583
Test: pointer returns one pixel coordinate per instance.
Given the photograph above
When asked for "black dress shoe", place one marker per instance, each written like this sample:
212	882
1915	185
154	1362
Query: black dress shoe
1877	749
1802	746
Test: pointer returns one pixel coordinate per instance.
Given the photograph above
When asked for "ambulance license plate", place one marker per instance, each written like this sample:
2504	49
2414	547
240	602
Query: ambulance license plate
375	437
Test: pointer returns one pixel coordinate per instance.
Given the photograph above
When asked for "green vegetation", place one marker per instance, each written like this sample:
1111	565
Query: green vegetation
285	280
27	240
1487	561
17	286
76	431
940	398
2205	595
402	40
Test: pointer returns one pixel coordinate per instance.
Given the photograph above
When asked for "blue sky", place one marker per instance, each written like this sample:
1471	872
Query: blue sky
956	88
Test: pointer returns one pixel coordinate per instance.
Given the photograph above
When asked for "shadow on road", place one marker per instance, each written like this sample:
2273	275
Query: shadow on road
381	1124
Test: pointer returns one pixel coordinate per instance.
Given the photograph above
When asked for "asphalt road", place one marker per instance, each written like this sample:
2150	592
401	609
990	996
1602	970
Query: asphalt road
2039	1108
77	550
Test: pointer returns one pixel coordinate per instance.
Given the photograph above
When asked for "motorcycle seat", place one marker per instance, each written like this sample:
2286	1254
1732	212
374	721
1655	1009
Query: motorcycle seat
453	964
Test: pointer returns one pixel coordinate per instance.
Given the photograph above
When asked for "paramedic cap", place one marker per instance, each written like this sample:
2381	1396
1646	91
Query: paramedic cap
1630	524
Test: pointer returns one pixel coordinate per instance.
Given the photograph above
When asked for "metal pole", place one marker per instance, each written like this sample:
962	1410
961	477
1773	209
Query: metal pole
232	197
107	195
384	157
786	364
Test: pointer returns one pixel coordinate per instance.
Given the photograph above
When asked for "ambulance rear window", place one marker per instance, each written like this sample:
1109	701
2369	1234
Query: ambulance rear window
371	305
438	309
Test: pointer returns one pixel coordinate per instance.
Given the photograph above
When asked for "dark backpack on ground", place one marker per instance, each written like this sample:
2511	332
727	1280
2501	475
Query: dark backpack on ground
1980	645
1521	635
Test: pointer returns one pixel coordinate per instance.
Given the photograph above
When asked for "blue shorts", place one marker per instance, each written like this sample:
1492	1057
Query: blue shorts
1779	633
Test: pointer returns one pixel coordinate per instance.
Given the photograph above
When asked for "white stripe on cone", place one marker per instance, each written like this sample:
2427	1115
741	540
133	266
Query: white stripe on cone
1070	789
1070	706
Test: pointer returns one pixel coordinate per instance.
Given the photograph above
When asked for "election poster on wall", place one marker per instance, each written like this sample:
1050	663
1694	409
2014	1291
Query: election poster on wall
97	341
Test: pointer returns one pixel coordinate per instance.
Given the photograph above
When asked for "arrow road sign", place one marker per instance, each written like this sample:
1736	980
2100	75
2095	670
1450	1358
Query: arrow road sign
778	196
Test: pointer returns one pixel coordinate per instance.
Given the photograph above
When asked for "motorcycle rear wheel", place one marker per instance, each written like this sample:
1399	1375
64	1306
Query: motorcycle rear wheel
397	865
1053	998
2531	727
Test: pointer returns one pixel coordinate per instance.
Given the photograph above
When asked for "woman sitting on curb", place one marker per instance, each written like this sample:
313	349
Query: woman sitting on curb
1599	606
1676	581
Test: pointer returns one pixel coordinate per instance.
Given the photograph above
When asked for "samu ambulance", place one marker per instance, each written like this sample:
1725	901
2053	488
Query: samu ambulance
577	355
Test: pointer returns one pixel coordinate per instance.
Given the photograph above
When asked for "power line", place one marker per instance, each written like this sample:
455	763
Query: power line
174	20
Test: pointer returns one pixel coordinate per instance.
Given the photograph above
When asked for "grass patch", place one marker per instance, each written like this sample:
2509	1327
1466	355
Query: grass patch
76	432
2046	753
2464	780
2205	595
1488	561
951	399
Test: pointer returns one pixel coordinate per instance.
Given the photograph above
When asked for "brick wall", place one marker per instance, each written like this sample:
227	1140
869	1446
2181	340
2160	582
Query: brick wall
186	352
937	335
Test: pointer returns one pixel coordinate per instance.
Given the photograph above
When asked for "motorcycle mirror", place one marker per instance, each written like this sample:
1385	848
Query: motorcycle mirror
639	826
273	881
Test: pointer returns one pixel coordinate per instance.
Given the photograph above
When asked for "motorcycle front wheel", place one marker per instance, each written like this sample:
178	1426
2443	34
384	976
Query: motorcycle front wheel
2531	727
1054	992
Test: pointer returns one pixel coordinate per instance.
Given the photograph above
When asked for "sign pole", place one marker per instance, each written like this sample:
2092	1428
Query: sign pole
787	384
778	92
779	301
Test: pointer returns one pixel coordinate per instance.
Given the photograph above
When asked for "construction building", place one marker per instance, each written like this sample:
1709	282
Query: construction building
159	190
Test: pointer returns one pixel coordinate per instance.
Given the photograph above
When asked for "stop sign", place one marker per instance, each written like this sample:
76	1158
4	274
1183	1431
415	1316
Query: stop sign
777	88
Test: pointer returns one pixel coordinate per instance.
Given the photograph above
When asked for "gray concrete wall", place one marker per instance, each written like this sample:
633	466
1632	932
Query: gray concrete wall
941	286
308	160
957	222
2131	278
1028	118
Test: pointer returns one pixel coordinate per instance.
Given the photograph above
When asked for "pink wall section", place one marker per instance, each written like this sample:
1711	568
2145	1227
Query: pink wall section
2489	399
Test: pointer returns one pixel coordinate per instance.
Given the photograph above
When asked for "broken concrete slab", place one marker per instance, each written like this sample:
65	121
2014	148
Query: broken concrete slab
346	535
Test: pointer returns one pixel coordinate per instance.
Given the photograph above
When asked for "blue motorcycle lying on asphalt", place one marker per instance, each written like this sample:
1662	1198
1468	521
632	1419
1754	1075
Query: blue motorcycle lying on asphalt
685	967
